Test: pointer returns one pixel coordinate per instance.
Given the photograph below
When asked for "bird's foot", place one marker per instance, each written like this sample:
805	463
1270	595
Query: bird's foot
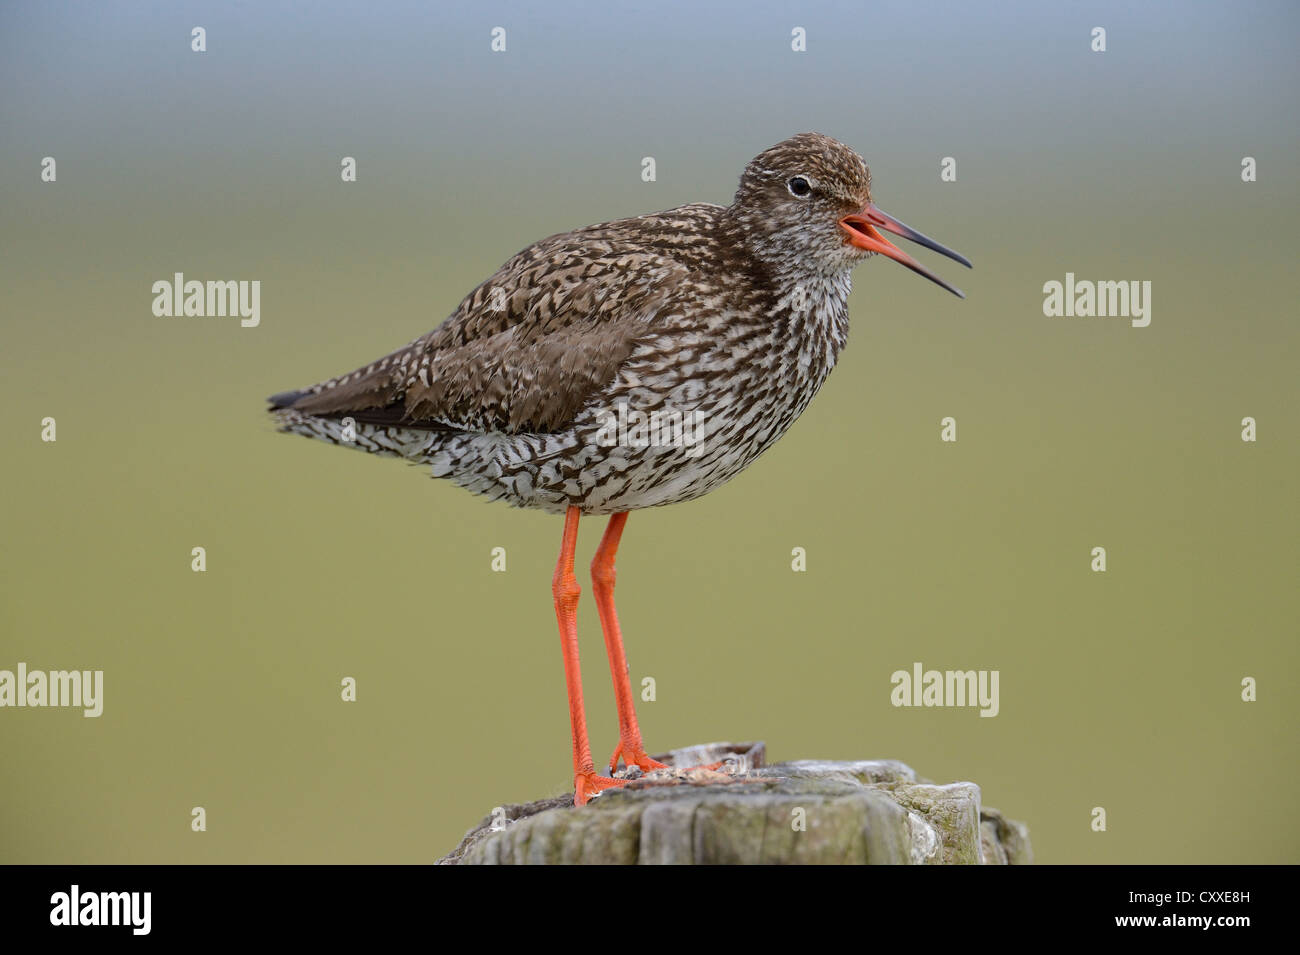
588	784
644	762
633	756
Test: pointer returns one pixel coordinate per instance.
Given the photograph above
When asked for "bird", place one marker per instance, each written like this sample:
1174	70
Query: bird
626	365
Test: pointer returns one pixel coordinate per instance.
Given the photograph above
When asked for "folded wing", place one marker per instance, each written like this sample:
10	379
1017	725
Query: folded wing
525	351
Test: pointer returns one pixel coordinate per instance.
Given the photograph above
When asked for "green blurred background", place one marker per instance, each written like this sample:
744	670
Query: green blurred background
1119	690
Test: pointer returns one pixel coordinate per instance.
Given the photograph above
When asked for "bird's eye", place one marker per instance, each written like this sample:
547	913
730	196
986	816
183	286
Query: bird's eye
799	186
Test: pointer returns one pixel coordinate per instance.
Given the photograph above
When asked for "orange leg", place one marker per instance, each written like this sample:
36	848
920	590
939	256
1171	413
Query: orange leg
602	581
586	782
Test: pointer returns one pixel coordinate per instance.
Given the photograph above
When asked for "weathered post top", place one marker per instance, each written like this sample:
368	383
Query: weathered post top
806	811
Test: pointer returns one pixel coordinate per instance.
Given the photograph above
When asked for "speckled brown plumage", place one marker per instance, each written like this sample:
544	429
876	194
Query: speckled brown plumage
732	316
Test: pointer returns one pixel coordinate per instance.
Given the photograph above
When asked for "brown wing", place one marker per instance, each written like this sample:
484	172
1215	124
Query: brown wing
524	351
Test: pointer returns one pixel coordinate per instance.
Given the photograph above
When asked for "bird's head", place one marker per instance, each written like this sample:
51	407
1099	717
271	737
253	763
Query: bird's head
806	202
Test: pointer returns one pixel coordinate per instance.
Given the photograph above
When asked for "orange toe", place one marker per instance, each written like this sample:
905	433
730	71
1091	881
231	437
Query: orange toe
638	758
590	783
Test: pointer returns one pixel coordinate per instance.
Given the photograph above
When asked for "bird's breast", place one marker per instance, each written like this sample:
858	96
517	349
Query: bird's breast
746	372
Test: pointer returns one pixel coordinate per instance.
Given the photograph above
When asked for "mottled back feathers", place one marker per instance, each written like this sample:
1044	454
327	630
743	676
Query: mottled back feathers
526	349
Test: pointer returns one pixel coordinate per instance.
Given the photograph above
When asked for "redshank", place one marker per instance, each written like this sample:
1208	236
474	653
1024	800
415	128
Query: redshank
627	365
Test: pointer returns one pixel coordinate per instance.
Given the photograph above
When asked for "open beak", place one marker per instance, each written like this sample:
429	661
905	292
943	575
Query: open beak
862	229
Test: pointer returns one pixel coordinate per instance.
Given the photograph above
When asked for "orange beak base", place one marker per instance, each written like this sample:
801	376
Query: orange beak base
862	232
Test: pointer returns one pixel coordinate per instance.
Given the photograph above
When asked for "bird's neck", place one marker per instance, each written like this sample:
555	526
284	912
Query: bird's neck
811	315
807	299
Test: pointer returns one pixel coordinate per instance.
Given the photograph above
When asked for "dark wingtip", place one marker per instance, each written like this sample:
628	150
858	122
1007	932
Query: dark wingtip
284	399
